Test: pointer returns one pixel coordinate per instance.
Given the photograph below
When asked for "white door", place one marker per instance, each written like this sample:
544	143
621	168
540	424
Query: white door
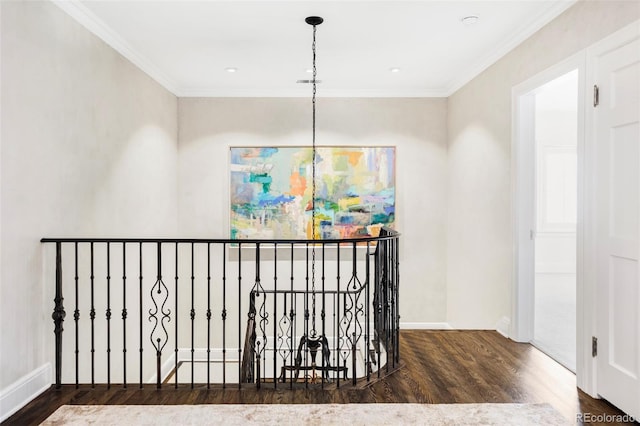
617	210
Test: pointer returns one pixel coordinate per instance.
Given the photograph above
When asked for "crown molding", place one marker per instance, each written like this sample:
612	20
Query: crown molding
509	44
205	92
95	25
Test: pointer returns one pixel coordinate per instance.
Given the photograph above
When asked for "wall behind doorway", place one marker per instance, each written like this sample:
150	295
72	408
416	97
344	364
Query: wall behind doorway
479	222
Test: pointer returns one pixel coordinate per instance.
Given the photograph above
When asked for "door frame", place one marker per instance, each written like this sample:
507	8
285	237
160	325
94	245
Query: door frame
523	196
523	191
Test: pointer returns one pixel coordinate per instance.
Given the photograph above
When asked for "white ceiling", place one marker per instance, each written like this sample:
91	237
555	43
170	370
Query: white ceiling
187	45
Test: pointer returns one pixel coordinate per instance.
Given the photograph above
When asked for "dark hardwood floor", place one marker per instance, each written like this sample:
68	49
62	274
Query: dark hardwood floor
438	367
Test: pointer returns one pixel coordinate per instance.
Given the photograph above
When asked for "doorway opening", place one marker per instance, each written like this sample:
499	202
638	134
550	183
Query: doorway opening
555	128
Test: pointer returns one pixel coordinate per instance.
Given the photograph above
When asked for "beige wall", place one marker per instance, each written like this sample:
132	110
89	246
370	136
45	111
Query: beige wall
417	127
88	149
479	244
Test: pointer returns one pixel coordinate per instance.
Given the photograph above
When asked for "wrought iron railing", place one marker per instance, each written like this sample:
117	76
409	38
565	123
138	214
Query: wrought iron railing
228	312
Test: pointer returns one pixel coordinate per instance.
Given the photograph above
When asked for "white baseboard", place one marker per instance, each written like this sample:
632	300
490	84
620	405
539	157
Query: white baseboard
425	326
199	355
24	390
503	326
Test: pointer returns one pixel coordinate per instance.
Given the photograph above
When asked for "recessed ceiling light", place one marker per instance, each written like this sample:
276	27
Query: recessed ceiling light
231	69
394	69
309	70
470	20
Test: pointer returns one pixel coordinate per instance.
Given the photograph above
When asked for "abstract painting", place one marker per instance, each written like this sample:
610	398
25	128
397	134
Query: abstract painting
271	192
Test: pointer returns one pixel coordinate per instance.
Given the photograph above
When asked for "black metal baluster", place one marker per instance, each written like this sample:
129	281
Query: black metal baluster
322	315
239	315
334	323
264	320
367	318
337	338
275	314
175	325
258	355
392	302
92	315
193	313
306	314
378	300
388	294
58	315
140	309
124	314
159	335
353	357
354	275
76	313
158	351
291	319
108	315
208	315
396	244
224	315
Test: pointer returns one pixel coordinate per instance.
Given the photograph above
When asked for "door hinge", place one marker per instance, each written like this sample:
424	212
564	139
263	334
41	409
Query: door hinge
596	95
594	346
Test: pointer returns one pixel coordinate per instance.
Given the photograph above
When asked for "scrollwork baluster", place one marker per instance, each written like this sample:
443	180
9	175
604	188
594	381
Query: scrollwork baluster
158	315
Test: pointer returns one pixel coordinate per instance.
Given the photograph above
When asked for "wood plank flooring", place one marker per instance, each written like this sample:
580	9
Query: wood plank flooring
438	367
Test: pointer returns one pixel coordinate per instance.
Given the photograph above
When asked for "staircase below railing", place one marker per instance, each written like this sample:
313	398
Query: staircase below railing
332	320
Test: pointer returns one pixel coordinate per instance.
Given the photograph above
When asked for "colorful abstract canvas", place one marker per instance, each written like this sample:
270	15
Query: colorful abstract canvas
271	192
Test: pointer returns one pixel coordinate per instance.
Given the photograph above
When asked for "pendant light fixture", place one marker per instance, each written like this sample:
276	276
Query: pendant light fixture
311	339
313	21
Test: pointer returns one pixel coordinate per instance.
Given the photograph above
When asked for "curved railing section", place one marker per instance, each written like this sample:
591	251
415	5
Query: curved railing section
215	312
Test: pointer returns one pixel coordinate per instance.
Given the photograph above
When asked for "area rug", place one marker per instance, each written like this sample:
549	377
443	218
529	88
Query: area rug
309	414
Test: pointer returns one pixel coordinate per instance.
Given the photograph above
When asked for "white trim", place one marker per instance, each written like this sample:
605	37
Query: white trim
95	25
425	326
199	355
24	390
523	215
302	92
216	355
510	43
503	326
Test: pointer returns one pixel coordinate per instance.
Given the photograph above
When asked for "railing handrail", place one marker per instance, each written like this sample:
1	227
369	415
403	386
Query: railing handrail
218	240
